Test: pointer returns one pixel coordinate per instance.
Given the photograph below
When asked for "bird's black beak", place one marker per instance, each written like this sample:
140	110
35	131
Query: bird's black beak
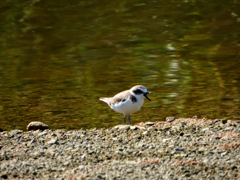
145	95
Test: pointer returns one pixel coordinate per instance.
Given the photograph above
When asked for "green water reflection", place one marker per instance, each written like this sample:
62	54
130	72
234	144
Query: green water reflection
58	57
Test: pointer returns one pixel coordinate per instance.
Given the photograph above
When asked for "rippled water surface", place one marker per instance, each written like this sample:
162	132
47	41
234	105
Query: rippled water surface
58	57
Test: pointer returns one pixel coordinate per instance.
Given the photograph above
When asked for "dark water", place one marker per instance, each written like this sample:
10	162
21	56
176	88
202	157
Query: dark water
58	57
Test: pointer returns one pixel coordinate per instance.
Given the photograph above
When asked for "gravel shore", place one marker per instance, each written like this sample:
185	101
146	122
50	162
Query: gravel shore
183	149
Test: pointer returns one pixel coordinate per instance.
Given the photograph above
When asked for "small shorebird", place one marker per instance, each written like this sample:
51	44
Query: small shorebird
128	102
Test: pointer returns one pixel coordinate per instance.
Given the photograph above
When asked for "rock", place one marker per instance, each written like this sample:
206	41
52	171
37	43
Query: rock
16	131
134	127
165	140
224	153
180	149
141	128
181	133
183	124
176	127
4	176
150	123
224	121
205	129
170	119
42	134
146	133
37	125
217	120
1	130
122	127
52	141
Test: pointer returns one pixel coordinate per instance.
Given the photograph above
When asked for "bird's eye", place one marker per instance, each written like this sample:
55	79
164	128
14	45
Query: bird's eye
138	91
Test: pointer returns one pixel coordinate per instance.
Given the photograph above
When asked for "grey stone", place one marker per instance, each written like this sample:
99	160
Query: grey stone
146	133
16	131
170	119
224	121
180	149
134	127
36	126
183	124
122	127
52	141
150	123
141	128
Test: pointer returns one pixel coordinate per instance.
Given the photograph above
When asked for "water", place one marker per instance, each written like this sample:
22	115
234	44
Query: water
58	57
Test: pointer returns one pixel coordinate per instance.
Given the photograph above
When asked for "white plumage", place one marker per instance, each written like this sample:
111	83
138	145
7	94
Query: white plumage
128	102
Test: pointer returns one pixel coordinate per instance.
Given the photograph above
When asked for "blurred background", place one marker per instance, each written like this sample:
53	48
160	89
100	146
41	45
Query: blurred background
58	57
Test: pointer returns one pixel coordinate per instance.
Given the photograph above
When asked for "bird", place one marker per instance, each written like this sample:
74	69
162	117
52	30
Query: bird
128	101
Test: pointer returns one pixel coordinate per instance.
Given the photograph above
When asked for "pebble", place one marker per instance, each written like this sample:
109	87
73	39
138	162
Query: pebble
52	141
187	150
134	127
170	119
122	127
36	126
150	123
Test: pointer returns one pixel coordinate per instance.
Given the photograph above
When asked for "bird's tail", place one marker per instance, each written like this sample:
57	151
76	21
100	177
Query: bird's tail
106	100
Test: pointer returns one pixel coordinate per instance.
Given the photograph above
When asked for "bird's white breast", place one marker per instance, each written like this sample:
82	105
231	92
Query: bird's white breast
128	106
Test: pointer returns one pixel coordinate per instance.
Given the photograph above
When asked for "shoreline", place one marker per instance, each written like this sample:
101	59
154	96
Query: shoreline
186	148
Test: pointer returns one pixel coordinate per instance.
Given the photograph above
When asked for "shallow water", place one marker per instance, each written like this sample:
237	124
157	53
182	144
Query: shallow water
58	57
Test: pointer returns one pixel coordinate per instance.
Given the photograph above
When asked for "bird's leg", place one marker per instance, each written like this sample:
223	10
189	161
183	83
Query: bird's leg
124	120
129	119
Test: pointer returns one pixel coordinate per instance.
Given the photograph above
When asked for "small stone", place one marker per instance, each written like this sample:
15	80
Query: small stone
205	161
37	125
217	120
187	135
184	124
84	156
221	174
134	127
16	131
183	155
52	141
165	140
224	153
150	123
224	121
170	119
141	128
31	142
180	149
81	166
4	176
122	127
175	127
137	137
205	129
200	151
146	133
181	134
129	171
42	134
